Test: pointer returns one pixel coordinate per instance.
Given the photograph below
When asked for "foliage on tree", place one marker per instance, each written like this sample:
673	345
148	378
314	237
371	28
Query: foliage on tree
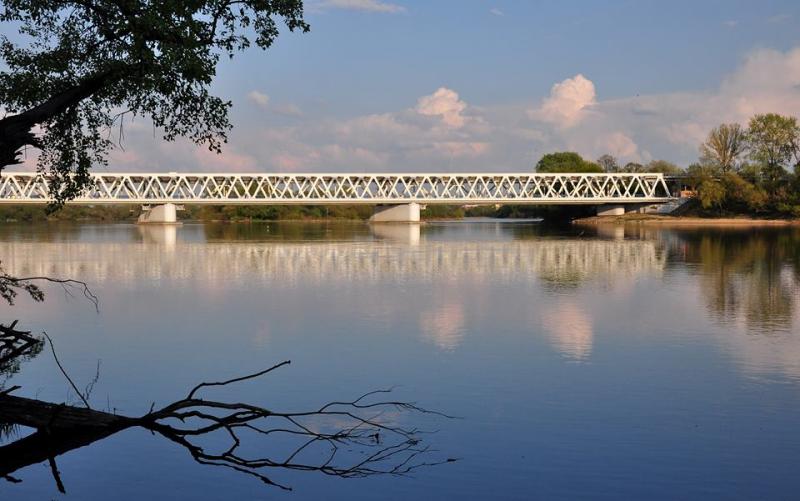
633	167
566	162
741	195
773	139
765	184
78	67
608	163
709	190
724	146
663	167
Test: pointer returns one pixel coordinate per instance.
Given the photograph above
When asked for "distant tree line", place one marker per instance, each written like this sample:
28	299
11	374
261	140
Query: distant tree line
752	170
568	161
233	213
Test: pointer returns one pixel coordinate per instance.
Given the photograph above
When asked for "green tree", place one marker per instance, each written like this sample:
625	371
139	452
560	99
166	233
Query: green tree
608	163
633	167
723	147
78	67
663	167
750	172
710	191
742	196
566	161
773	139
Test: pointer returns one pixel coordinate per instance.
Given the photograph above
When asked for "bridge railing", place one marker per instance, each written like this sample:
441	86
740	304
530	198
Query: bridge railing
472	188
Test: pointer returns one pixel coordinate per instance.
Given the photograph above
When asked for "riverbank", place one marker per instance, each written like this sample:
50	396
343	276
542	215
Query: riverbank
215	213
665	220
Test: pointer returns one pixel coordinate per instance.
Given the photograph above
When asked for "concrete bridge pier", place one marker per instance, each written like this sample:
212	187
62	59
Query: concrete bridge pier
160	214
619	209
403	213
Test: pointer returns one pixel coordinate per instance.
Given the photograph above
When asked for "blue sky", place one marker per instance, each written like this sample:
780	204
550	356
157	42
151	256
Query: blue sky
402	85
369	61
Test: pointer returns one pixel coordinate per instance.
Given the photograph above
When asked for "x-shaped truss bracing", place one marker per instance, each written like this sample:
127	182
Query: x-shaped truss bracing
279	189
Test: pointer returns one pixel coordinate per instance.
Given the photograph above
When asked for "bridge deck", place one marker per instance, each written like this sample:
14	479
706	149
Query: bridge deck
284	189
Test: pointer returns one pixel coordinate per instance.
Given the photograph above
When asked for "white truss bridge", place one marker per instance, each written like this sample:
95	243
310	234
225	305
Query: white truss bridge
374	189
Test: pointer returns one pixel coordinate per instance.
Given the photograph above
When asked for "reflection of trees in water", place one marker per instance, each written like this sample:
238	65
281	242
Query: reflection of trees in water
746	274
55	232
285	230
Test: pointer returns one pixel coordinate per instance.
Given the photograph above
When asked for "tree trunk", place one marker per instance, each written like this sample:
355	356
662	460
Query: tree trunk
16	130
59	429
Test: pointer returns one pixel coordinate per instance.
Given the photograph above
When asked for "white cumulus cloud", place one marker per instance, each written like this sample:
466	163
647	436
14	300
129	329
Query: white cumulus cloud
258	98
618	144
567	103
445	104
365	5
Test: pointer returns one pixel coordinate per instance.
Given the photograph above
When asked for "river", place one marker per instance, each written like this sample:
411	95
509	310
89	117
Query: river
580	362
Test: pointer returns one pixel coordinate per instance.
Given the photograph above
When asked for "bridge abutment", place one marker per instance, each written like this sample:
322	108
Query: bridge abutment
610	210
160	214
402	213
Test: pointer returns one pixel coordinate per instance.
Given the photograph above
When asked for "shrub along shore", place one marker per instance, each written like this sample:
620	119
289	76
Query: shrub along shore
208	213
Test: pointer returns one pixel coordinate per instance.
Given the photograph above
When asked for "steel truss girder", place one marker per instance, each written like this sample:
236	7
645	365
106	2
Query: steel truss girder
470	188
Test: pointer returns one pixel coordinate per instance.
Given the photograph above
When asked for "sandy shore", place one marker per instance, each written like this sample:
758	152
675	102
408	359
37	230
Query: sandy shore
661	220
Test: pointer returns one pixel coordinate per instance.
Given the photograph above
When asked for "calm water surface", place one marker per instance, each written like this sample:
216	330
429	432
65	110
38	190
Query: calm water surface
602	363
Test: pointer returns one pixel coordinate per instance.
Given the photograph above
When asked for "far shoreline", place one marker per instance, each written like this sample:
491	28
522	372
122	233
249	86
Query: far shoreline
694	221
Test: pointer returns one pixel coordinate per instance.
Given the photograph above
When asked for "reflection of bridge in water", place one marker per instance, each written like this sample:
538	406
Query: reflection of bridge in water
160	255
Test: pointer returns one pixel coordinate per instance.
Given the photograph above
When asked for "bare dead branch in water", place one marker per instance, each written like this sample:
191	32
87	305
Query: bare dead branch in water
56	475
87	391
238	379
64	372
384	447
349	439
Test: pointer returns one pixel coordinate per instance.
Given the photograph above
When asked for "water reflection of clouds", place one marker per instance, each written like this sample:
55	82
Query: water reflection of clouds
261	336
569	329
443	325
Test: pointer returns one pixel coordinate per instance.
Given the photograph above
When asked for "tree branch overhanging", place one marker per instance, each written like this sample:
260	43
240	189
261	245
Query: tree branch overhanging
10	284
66	81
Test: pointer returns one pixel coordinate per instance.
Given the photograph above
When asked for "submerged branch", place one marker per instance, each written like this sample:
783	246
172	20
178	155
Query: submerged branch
337	439
64	372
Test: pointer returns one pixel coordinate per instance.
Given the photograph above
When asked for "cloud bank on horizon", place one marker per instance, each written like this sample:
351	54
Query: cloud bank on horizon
442	131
